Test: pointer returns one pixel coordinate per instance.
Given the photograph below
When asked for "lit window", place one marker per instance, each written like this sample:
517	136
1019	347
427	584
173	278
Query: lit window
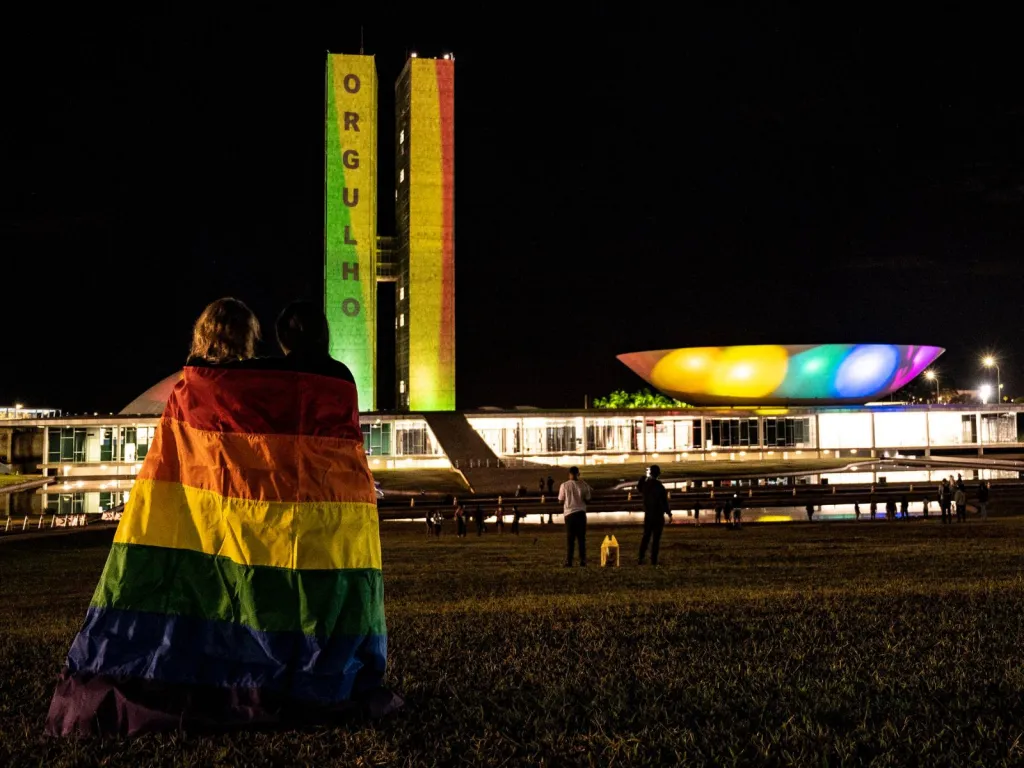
401	176
401	137
401	386
401	293
401	320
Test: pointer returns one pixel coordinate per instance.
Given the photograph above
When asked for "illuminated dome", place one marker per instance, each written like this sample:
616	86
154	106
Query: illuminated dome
768	374
152	401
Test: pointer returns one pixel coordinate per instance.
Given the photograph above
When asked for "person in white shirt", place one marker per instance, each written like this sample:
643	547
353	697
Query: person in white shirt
574	495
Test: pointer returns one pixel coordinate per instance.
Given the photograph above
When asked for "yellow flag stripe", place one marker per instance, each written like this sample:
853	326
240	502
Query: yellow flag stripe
299	536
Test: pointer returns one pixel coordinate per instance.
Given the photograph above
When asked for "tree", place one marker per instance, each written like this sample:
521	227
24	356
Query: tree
621	399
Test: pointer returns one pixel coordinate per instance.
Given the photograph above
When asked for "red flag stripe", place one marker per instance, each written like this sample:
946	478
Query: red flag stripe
251	401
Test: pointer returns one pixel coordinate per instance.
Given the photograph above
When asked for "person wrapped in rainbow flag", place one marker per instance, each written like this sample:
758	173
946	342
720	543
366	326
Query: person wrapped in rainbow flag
244	584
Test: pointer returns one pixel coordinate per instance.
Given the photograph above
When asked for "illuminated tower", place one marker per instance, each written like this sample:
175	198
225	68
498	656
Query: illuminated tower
425	223
350	231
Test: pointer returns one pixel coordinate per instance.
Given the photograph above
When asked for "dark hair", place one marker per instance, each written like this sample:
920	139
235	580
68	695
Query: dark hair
302	327
655	470
227	329
574	471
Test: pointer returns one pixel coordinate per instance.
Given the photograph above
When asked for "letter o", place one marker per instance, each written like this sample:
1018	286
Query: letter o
350	307
351	83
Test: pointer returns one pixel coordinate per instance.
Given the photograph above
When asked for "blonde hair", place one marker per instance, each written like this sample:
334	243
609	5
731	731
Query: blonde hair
227	329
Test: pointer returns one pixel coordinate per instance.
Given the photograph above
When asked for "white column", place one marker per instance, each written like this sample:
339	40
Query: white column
874	447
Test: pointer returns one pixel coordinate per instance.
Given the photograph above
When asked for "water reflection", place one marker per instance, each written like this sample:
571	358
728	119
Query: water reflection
853	476
755	514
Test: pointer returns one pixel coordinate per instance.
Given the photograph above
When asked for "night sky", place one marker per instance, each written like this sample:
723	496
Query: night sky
622	183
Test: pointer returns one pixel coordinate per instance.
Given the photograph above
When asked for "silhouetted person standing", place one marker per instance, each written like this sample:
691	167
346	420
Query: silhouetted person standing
946	501
655	509
983	491
960	497
574	495
479	516
551	484
460	521
515	520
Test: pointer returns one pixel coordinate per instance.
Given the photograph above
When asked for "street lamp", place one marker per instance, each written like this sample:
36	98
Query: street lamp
990	362
930	375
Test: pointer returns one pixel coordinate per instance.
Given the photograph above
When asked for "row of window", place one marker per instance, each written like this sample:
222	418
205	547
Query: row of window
69	445
654	436
384	440
76	503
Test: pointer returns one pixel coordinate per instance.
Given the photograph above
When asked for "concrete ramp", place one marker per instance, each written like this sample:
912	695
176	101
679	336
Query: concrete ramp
459	440
473	458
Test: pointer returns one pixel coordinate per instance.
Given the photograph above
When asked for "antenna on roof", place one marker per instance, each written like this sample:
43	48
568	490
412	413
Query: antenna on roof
360	40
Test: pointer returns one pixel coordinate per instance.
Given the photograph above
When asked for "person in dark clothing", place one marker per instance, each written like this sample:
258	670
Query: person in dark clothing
856	510
478	515
551	484
542	485
960	497
983	491
810	512
304	338
946	501
890	509
655	509
460	521
515	520
904	508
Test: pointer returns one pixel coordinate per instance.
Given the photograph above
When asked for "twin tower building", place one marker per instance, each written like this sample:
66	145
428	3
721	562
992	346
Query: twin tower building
420	259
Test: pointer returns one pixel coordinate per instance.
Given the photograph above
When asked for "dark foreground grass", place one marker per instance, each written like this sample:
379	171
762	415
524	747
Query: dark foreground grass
825	644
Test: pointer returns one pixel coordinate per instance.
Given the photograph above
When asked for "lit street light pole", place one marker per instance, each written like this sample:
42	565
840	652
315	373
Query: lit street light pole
930	375
990	362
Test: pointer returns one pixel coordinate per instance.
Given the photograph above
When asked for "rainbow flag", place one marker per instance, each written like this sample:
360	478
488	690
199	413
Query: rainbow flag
244	583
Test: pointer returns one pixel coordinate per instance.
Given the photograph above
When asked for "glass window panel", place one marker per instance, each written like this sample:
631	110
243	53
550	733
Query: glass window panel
53	447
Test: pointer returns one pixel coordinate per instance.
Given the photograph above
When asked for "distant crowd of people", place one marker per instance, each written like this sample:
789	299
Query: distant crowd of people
574	493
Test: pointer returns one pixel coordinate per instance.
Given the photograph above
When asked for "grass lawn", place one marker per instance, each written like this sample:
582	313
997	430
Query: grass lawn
6	480
430	480
795	644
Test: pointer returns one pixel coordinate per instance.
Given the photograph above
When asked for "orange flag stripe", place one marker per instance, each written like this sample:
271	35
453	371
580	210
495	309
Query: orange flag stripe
287	468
